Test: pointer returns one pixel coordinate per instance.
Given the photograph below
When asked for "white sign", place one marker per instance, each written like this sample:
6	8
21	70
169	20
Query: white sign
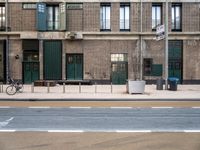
160	29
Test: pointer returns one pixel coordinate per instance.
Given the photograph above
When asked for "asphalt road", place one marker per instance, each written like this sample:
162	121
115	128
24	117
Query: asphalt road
100	119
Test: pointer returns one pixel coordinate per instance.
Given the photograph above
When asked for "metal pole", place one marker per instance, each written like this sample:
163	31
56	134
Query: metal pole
141	56
48	89
95	87
63	87
111	90
166	46
79	87
7	44
32	87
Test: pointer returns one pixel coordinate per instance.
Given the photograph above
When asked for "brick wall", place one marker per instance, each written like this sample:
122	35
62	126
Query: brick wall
191	59
74	20
15	64
21	20
91	14
190	17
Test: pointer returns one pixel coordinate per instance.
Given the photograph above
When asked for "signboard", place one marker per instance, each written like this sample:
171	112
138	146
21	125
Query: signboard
160	32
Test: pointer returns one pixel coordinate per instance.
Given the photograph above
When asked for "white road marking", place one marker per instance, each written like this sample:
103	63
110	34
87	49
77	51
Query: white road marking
162	107
79	107
192	131
121	107
6	122
5	107
69	131
196	107
7	130
133	131
38	107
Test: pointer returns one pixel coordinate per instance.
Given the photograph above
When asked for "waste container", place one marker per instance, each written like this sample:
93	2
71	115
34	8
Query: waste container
173	83
159	84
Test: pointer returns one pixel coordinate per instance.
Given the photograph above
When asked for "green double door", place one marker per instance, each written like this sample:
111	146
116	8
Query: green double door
30	72
175	61
74	66
119	72
52	60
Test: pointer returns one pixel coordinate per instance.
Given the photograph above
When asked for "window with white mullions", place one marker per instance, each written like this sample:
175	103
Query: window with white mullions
105	17
176	17
156	15
2	18
124	17
53	17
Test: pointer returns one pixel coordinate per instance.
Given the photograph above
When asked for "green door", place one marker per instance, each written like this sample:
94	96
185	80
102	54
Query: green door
30	72
74	67
119	72
52	60
175	60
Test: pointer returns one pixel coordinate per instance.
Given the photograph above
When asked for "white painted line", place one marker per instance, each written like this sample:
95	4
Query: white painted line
68	131
79	107
39	107
121	107
192	131
7	130
196	107
133	131
5	107
162	107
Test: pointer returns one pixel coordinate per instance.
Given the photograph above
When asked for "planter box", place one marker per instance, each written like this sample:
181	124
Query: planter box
136	87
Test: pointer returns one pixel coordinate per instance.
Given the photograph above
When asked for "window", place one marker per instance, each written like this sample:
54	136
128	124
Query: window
124	17
2	18
176	17
74	6
29	6
53	17
119	57
156	15
105	17
147	66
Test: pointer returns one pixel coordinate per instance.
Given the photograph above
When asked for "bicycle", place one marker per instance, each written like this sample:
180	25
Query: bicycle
14	87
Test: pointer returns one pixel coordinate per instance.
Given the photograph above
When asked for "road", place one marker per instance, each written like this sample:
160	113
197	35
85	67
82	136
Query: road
113	119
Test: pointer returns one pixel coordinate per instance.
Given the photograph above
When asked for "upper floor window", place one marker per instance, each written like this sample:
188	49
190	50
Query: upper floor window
176	17
156	15
124	17
52	17
29	6
2	18
105	17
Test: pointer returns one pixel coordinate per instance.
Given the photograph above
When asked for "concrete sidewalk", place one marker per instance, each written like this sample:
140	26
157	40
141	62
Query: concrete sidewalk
103	93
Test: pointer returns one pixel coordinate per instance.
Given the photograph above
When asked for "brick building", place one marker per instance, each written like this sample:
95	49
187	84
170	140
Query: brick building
104	41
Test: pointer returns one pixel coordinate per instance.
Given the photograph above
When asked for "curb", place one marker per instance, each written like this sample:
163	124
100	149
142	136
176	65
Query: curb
98	99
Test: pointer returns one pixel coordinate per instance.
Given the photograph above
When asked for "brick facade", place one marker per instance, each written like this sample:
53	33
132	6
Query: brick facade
97	46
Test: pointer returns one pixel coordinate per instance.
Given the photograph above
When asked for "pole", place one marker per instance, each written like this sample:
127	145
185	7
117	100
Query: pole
141	56
166	46
7	44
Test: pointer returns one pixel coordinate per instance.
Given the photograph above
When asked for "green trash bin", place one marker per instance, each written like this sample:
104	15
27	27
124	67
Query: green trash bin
173	83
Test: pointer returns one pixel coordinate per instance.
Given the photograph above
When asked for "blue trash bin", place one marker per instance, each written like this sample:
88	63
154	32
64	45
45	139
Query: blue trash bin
173	83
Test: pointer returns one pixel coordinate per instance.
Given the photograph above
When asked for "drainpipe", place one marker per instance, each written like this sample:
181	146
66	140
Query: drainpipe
7	43
166	45
141	52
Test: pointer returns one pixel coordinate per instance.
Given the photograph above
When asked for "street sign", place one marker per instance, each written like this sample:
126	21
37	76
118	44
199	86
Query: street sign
160	32
160	29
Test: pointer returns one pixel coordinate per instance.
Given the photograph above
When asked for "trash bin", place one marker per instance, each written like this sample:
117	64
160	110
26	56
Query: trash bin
159	84
173	83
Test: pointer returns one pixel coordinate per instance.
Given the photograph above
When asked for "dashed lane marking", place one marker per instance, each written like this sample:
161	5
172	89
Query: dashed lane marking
7	130
162	107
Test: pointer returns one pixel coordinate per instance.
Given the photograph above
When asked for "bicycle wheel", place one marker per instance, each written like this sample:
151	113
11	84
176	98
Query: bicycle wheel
11	90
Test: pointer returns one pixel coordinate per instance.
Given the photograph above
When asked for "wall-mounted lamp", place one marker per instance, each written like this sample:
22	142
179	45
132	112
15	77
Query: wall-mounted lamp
17	57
